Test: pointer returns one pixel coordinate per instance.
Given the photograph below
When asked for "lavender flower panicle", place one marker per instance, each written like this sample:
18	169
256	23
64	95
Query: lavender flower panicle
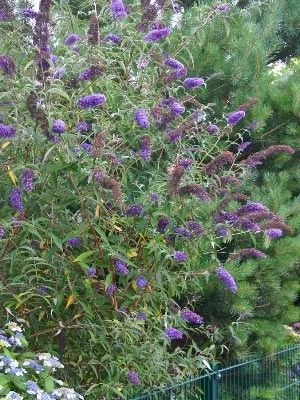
185	162
90	73
91	100
249	225
141	316
177	108
195	189
248	252
111	289
235	117
243	146
74	241
180	256
195	227
162	224
191	316
173	63
7	65
274	233
157	34
212	129
7	131
133	378
173	333
83	127
145	150
229	217
183	232
225	157
16	199
2	231
276	224
27	177
141	282
118	9
134	210
191	83
154	197
227	278
29	13
223	231
71	39
257	158
91	272
251	207
142	118
121	267
59	126
112	37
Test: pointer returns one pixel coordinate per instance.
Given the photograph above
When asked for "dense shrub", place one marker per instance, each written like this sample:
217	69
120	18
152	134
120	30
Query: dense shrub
120	193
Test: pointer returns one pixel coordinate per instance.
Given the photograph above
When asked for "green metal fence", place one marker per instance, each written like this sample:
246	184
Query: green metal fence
274	377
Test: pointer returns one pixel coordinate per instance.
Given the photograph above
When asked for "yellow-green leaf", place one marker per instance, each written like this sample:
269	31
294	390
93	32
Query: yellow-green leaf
70	300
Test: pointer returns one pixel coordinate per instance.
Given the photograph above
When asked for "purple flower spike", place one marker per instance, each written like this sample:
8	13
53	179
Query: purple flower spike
154	197
222	7
274	233
171	62
7	131
111	289
177	108
157	34
212	129
83	127
180	256
59	126
235	117
141	316
196	228
118	9
29	13
191	83
134	210
173	333
186	162
121	267
71	39
162	224
141	282
91	100
145	150
16	199
74	241
243	146
2	231
222	231
7	64
27	178
192	317
91	272
141	117
133	378
227	279
112	37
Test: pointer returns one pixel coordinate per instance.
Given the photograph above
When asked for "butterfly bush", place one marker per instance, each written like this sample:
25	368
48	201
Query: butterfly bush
120	189
24	374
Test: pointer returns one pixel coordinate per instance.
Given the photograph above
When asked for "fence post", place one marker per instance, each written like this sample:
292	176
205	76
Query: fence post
214	384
